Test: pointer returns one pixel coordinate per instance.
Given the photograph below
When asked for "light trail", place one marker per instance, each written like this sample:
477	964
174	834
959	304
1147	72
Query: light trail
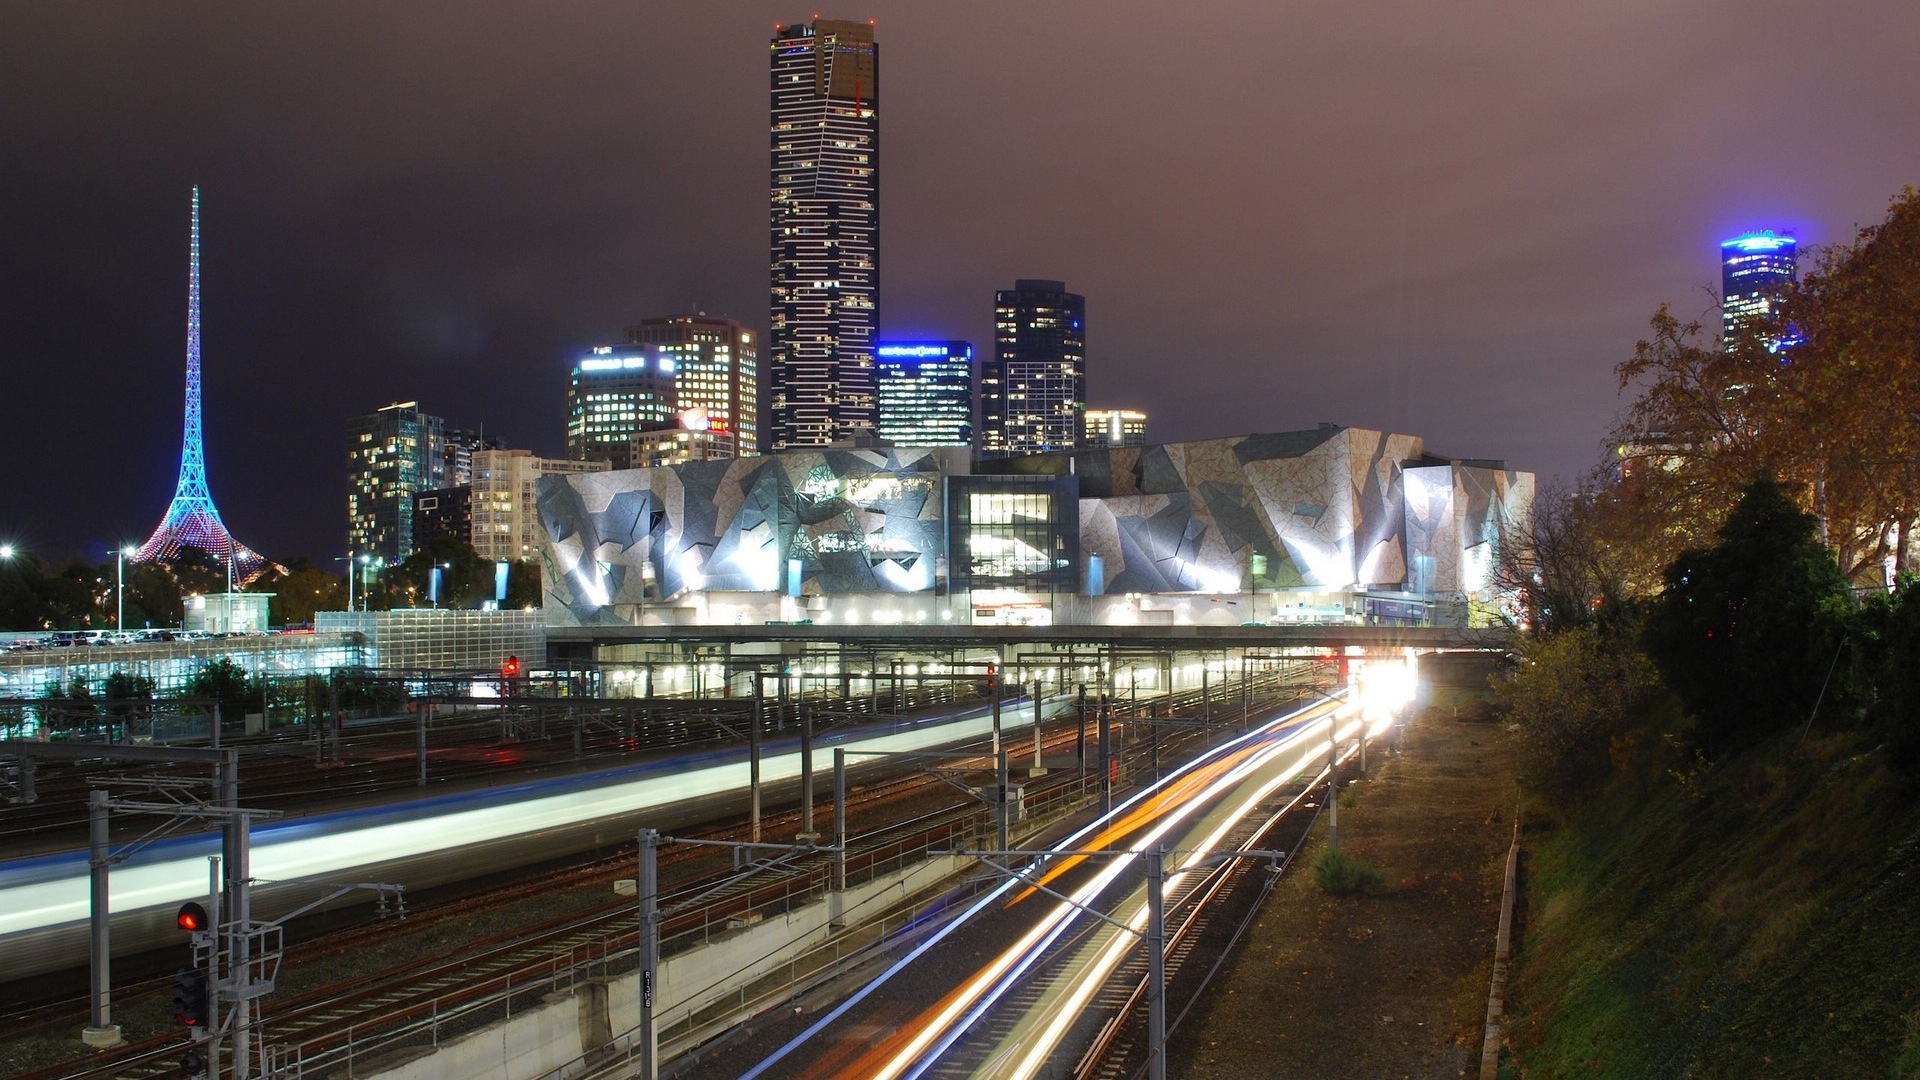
52	891
916	1040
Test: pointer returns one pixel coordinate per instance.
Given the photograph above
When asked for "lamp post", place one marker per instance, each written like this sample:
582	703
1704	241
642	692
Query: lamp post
120	586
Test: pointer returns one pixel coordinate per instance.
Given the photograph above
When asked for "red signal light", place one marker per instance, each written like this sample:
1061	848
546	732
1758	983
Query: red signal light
192	917
510	667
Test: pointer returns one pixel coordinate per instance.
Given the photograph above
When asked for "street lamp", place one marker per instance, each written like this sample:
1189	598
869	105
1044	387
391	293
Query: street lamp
119	585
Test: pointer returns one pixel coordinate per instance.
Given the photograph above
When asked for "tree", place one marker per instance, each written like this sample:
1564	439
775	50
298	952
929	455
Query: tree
1744	630
1825	395
465	578
1853	387
299	589
525	587
1561	561
226	682
1568	696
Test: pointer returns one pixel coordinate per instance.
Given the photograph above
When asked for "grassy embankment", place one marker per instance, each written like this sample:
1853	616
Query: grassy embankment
1756	918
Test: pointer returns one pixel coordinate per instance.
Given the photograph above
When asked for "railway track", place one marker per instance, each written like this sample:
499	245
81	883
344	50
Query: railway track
443	995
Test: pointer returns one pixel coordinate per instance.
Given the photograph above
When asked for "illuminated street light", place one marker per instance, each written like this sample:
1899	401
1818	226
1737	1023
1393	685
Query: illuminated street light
120	585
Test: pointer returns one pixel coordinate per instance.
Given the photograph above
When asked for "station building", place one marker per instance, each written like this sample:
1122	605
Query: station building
1333	524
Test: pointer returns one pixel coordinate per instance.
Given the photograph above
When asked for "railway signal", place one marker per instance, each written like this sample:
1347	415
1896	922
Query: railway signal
190	998
192	918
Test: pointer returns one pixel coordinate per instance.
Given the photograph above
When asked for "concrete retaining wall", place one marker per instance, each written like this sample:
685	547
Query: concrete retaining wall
545	1040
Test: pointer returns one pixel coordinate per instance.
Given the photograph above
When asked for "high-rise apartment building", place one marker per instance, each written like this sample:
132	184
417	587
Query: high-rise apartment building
1755	268
1033	388
392	453
615	392
825	218
458	447
926	392
1115	427
716	369
506	518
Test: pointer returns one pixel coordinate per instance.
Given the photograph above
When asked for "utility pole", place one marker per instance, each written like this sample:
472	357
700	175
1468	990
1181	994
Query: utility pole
1333	784
647	887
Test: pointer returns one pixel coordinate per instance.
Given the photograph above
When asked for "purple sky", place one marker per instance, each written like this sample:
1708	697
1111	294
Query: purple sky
1450	220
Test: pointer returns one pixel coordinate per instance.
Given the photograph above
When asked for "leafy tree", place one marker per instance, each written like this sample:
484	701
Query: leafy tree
228	683
465	578
1835	413
1568	697
153	596
127	694
524	585
299	589
1887	639
1745	630
197	572
1853	386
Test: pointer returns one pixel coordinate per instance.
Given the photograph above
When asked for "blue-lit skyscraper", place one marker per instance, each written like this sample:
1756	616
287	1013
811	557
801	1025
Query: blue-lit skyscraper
1754	268
926	392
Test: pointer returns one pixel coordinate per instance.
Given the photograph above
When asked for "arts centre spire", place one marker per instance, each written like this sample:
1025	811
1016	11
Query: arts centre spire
192	519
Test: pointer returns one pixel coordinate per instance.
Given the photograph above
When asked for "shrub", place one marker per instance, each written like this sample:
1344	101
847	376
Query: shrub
1343	875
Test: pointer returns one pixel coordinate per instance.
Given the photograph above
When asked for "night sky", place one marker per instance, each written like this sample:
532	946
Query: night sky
1445	219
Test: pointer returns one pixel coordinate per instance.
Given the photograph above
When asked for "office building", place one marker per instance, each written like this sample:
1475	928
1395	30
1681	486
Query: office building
616	392
392	453
1755	268
825	233
926	392
506	521
443	514
1033	387
692	439
1115	427
716	370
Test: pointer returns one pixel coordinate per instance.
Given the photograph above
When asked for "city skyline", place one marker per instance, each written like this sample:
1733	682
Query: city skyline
409	209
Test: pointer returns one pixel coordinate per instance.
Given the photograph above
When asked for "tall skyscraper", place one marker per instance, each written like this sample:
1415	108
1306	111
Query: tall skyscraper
192	519
393	453
1754	268
825	232
716	368
1033	389
926	392
616	392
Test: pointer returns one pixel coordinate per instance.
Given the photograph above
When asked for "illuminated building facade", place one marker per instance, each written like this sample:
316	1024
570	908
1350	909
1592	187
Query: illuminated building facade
506	526
716	369
392	454
926	392
1334	523
616	392
191	518
1033	388
1754	268
1115	427
693	439
825	232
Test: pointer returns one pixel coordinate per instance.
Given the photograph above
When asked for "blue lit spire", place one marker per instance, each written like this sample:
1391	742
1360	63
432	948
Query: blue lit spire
192	517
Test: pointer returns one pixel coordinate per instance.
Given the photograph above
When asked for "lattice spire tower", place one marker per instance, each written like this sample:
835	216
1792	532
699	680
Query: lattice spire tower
192	518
